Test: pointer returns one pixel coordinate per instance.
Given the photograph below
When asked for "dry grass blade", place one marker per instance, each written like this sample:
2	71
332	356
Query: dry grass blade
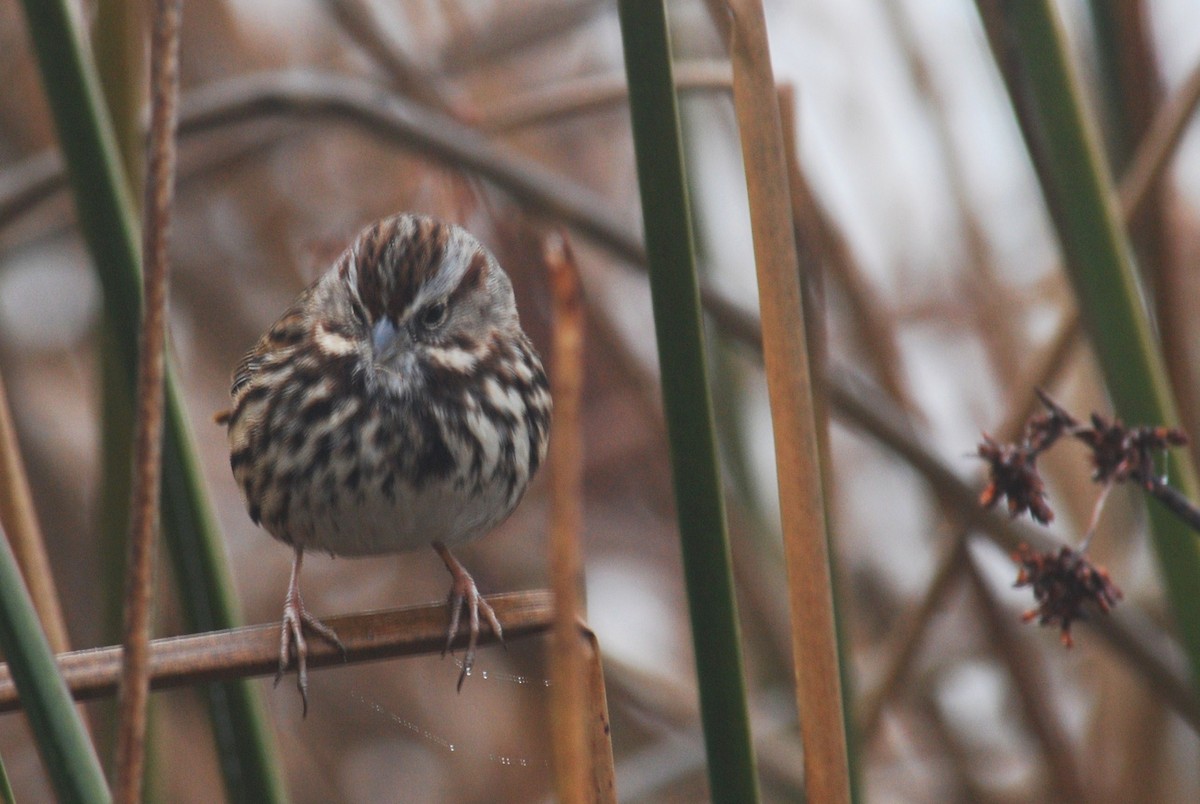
254	650
573	773
785	355
19	520
148	437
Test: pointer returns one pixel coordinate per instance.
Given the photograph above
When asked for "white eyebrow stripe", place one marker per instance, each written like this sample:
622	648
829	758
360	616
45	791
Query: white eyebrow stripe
334	343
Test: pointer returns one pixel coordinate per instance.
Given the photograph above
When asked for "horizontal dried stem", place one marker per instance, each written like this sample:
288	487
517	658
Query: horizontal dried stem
1176	502
511	28
313	95
594	93
254	650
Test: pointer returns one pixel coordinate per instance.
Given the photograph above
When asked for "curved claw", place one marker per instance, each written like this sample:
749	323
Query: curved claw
295	618
463	590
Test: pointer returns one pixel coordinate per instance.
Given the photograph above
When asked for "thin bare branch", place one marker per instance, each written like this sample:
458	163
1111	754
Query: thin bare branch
1160	143
28	183
515	26
333	98
1032	687
254	650
410	79
908	637
313	95
1178	504
592	94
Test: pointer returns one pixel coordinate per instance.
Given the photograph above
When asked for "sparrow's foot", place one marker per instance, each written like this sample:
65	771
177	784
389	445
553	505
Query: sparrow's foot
464	591
291	636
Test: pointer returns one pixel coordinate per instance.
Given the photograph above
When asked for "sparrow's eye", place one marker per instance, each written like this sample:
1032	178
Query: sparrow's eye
433	315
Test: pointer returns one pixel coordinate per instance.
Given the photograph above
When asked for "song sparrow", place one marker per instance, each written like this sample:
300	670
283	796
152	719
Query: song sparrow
396	404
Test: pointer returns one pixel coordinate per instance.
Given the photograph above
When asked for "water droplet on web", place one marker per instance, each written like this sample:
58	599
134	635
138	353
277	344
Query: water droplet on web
453	748
510	678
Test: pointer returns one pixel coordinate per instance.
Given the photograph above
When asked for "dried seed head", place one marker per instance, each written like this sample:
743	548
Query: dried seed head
1012	473
1063	583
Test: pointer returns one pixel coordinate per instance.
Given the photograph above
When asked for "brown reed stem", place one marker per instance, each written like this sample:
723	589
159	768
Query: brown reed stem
599	727
573	772
789	385
144	509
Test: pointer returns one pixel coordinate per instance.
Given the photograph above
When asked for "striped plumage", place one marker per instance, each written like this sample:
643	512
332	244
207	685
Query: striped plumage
396	404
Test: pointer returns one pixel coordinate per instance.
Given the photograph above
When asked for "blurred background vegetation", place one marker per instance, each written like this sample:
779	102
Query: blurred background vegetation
944	303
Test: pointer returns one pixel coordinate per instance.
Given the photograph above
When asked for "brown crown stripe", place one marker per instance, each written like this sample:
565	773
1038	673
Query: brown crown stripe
395	262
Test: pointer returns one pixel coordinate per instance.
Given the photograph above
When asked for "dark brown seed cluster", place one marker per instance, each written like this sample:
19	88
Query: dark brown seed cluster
1065	581
1012	474
1012	468
1063	584
1121	453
